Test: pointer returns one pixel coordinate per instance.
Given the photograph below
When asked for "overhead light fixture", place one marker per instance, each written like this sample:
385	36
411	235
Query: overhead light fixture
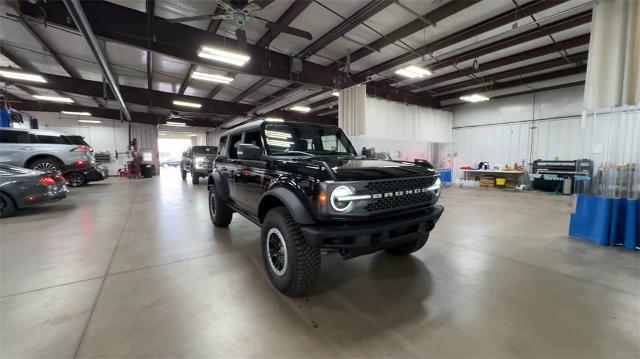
335	93
18	75
84	113
162	134
413	72
175	124
223	56
474	98
53	98
301	109
187	104
211	77
274	119
284	101
90	121
191	134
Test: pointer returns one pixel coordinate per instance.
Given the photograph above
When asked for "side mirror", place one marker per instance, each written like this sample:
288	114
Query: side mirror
247	151
184	154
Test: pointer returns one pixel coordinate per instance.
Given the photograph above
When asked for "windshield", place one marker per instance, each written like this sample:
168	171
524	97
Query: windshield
205	150
305	140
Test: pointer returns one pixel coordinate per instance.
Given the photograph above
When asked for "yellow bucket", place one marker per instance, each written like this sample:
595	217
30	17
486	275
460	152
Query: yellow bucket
501	181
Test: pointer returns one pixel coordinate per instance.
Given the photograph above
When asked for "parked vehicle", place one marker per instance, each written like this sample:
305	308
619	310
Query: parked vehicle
43	150
309	191
22	188
170	162
197	161
81	175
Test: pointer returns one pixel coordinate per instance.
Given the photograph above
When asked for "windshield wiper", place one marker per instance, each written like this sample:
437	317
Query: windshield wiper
298	152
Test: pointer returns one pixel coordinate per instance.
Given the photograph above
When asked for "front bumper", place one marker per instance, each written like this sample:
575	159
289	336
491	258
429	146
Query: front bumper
371	237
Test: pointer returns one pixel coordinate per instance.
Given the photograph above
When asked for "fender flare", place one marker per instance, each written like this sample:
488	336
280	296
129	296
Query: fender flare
294	205
218	183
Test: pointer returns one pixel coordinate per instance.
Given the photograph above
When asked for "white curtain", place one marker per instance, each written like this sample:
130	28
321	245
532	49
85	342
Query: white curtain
613	69
351	110
397	121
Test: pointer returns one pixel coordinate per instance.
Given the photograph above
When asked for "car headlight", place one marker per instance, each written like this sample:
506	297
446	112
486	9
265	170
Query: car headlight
436	185
340	198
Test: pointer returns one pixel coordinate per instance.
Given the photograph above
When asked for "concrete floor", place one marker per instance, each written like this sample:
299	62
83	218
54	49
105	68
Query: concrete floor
135	269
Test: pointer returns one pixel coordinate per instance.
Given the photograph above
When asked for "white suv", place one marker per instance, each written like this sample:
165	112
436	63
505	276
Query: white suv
43	150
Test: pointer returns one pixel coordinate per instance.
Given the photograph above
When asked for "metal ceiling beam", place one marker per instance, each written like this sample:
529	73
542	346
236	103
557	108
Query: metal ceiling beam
508	60
82	23
286	18
362	15
412	27
139	96
213	28
24	65
536	33
578	59
68	69
398	96
253	88
151	5
328	112
326	101
481	27
121	24
518	82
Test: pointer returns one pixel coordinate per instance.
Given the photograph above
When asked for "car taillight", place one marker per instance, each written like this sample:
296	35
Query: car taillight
79	163
82	148
48	181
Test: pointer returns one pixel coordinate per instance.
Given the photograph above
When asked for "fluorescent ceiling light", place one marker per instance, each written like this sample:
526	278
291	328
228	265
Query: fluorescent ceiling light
162	134
53	98
474	98
187	104
76	113
211	78
273	119
301	108
22	76
191	134
413	72
90	121
175	124
335	93
223	56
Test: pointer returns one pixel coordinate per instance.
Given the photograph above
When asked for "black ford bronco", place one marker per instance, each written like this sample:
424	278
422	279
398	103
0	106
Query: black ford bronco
305	185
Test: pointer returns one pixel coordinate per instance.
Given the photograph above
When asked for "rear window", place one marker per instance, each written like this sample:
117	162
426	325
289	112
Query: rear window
205	150
76	140
17	137
52	139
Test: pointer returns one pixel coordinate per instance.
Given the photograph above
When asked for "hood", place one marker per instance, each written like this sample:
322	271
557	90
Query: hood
370	169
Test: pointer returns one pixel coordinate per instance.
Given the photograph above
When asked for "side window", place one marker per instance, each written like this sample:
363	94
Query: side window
222	147
253	138
17	137
57	140
233	145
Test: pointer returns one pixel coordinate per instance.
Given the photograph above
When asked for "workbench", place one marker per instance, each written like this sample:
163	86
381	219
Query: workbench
477	174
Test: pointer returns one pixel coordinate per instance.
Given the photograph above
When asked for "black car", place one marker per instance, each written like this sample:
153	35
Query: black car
82	173
198	161
170	162
22	188
310	192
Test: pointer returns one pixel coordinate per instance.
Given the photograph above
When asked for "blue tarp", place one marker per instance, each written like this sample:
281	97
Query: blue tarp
445	174
607	221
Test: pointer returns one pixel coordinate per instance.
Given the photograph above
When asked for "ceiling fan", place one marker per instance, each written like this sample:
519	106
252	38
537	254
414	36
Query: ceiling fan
241	11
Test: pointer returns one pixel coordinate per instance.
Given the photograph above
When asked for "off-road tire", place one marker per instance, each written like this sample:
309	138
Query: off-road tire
46	164
194	178
7	207
409	247
303	261
183	174
219	213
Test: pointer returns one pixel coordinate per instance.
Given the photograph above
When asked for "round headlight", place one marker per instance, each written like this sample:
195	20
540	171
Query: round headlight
336	203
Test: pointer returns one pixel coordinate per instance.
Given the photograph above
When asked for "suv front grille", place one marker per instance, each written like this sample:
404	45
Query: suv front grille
404	193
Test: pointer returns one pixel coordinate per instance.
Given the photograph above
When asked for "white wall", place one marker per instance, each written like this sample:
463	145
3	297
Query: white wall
520	128
108	136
